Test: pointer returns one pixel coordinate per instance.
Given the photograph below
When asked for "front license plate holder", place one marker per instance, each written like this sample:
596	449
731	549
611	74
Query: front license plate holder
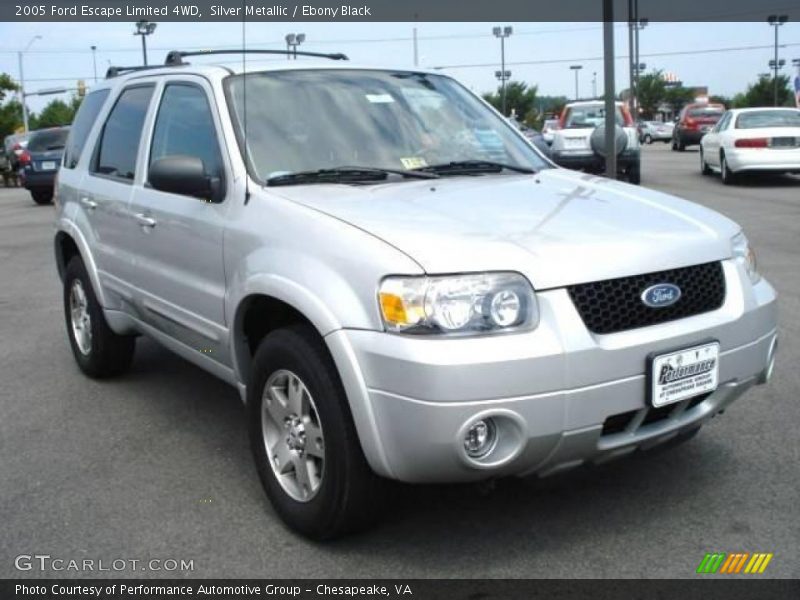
682	374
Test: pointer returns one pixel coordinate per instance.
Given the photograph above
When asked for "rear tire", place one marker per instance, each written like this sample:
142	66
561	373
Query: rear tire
635	173
42	198
322	486
648	139
98	351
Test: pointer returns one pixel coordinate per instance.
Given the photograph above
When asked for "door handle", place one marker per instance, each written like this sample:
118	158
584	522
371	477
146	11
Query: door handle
145	220
88	203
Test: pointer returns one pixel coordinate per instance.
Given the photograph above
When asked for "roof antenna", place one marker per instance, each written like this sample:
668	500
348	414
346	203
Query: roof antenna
244	102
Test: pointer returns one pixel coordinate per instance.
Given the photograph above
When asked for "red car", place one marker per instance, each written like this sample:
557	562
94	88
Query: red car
694	122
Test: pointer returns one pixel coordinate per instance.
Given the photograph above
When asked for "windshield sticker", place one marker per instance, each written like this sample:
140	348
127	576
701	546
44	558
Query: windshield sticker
380	98
413	162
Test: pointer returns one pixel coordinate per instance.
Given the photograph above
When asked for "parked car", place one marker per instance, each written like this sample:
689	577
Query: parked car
655	131
13	147
694	121
749	140
548	129
40	162
396	282
579	143
534	136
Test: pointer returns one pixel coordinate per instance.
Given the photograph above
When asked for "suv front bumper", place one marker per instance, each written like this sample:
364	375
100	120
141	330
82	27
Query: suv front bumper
560	395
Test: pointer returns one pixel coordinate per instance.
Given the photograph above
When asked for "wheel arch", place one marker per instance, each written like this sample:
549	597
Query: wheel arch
68	243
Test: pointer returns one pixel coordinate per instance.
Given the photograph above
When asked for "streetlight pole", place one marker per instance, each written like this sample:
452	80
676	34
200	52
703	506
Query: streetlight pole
144	28
776	21
631	57
608	75
576	68
293	40
503	33
594	84
94	62
22	82
638	25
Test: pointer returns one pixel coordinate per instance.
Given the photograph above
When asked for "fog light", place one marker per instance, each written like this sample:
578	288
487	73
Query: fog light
480	438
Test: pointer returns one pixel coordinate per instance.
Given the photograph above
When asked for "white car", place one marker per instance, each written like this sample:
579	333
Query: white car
580	141
752	139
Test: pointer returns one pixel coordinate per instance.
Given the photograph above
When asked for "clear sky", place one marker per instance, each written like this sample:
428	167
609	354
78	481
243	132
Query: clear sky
63	55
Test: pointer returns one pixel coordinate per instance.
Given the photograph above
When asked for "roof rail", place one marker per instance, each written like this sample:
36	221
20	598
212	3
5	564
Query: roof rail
116	71
176	57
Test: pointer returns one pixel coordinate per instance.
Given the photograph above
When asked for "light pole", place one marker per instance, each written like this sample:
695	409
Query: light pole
503	33
22	81
594	84
502	77
144	28
293	40
637	25
776	21
94	61
796	63
576	68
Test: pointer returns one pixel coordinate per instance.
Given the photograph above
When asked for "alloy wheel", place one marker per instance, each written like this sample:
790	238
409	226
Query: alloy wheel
80	320
293	436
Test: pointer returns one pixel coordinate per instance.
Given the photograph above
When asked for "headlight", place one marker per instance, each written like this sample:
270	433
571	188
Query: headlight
458	304
744	254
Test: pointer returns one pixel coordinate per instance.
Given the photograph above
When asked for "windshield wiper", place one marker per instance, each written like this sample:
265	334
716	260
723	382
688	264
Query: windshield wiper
344	175
470	167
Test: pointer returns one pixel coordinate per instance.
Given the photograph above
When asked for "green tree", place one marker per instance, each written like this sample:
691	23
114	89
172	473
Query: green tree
520	98
11	111
678	96
652	92
762	93
56	113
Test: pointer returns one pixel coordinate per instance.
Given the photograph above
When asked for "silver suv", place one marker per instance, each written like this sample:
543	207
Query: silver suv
398	284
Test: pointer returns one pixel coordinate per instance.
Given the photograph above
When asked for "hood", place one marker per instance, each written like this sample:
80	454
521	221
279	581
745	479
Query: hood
558	227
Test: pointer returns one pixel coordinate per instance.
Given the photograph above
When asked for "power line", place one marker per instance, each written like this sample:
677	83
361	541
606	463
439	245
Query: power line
618	57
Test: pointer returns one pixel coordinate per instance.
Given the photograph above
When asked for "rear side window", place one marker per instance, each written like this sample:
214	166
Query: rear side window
119	143
82	125
48	139
185	127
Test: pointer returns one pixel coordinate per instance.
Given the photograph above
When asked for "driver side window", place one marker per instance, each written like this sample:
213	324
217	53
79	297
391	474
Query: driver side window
185	127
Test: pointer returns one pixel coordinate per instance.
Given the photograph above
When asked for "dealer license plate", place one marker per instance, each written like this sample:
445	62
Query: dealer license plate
684	374
48	165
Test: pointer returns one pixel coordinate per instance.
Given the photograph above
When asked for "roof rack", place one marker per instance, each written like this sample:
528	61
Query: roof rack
116	71
176	57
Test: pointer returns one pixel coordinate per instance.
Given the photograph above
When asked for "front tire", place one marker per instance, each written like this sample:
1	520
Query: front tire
648	139
303	438
704	168
98	351
635	173
728	177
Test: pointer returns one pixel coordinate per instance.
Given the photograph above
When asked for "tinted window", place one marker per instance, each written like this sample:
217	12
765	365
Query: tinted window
184	126
705	113
48	139
592	115
82	125
768	118
119	144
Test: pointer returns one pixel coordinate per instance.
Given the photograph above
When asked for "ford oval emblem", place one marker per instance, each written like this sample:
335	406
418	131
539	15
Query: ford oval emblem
661	295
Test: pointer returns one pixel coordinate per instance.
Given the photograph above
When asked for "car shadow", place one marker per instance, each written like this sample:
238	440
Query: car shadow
455	523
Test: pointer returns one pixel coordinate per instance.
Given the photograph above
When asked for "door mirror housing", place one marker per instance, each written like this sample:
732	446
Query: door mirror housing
185	175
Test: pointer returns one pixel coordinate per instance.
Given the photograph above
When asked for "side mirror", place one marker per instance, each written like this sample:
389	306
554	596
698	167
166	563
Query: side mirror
184	175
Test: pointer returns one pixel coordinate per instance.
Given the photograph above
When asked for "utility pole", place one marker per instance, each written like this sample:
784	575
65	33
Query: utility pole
503	33
576	68
416	49
776	21
638	25
608	73
94	62
22	82
594	84
631	57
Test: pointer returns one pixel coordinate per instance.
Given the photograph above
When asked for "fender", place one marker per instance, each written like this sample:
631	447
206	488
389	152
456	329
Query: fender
67	227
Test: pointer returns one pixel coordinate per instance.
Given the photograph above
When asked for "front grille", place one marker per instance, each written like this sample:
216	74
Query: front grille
620	422
616	304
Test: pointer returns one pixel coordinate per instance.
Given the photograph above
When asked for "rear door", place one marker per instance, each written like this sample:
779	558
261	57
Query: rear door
107	187
180	271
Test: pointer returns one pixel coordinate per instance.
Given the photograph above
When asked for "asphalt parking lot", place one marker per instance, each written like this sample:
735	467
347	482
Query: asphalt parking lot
156	464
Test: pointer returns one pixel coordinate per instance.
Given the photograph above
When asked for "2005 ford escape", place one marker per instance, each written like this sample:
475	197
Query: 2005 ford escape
399	285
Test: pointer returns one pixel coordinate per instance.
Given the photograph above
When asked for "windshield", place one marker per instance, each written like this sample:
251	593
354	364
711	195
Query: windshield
768	118
48	139
320	119
594	115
